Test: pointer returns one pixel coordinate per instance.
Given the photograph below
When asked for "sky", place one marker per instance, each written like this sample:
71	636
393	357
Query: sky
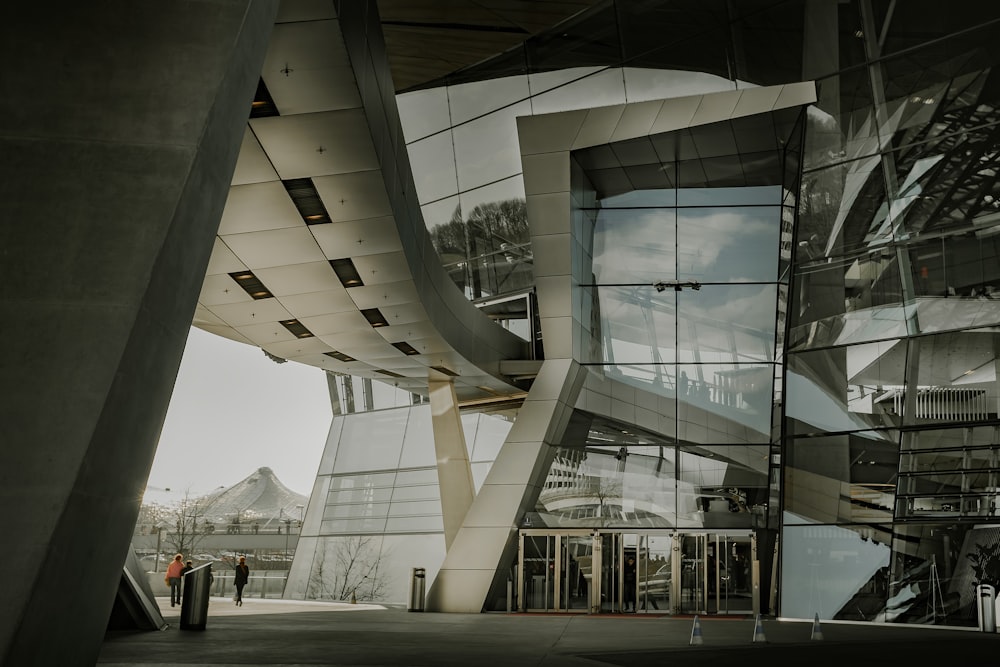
233	410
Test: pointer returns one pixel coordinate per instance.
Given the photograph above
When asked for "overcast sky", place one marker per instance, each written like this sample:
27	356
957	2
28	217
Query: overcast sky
234	410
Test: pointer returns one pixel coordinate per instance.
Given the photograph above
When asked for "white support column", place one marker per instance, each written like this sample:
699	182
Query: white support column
454	471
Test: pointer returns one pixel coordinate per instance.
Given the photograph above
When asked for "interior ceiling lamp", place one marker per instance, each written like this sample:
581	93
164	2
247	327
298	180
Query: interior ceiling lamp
678	285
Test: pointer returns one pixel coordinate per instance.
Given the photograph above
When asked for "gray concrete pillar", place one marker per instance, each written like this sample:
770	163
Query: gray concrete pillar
120	124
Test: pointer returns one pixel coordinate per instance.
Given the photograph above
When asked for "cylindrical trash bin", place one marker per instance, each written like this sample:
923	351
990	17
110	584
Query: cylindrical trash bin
985	601
418	580
194	598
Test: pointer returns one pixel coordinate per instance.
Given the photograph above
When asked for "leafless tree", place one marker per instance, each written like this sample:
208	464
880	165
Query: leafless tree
178	522
607	491
346	567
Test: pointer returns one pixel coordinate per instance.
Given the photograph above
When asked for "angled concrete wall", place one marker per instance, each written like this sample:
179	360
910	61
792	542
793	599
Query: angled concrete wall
119	126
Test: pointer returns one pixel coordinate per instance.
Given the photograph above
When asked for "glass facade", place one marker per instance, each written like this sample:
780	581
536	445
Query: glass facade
463	140
378	502
807	298
619	476
890	422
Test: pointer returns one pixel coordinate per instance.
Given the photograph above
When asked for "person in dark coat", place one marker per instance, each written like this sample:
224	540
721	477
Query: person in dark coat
188	566
628	600
242	577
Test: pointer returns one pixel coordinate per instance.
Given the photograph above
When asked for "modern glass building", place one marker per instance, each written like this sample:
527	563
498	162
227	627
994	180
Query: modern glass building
707	291
782	314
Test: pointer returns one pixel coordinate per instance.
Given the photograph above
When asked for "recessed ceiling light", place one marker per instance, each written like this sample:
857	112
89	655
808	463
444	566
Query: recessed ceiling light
307	200
375	317
406	348
296	328
346	272
251	284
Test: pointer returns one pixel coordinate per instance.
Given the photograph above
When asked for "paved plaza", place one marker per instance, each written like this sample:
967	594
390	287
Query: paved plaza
286	633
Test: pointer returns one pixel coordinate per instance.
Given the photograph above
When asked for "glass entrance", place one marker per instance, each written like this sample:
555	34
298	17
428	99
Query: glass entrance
538	572
736	586
653	572
693	574
716	573
654	577
635	574
555	571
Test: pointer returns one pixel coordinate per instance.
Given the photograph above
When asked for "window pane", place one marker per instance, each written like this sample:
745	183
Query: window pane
634	246
423	112
935	581
846	389
576	88
428	492
360	495
486	149
848	300
382	435
724	403
436	177
844	478
955	377
719	486
637	324
418	443
734	244
727	323
836	572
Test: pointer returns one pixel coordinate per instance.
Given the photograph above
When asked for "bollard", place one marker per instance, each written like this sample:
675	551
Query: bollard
817	631
758	632
696	639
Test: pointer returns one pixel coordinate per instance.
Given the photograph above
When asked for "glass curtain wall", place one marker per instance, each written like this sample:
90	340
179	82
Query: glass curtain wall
881	470
375	510
890	457
461	131
683	295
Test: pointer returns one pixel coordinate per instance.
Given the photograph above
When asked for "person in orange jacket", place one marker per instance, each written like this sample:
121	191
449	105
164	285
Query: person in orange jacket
174	579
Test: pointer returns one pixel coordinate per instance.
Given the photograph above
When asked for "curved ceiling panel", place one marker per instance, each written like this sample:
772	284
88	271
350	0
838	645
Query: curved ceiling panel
321	256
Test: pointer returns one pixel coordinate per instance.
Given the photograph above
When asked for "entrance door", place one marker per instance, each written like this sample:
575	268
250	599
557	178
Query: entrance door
716	573
654	574
650	572
538	569
578	556
736	584
635	573
555	571
692	572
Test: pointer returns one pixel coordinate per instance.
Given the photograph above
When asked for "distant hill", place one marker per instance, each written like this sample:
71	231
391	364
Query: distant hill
260	498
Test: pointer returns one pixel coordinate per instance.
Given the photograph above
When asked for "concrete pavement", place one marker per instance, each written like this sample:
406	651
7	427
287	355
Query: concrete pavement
282	632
